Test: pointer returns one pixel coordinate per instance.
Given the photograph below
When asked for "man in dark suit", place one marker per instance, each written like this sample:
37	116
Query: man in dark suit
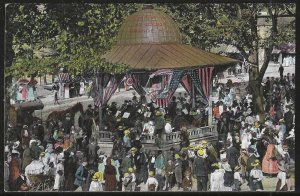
200	171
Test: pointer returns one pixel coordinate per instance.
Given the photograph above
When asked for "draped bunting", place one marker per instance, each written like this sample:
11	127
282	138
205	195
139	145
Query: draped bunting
109	84
196	80
186	83
206	75
137	80
164	98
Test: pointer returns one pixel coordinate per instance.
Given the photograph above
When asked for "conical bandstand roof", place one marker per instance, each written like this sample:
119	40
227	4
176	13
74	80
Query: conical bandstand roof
150	39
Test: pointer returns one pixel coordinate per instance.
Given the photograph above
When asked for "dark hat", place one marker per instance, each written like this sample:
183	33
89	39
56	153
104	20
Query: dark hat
251	150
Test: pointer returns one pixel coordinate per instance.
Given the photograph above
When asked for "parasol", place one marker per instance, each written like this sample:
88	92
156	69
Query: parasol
23	81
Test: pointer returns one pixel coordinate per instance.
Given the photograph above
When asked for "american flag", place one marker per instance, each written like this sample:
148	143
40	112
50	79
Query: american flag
110	85
196	80
164	98
206	78
136	83
186	83
63	77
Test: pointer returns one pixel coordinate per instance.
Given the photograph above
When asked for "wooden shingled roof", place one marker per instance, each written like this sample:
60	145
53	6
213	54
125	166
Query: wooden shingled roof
149	40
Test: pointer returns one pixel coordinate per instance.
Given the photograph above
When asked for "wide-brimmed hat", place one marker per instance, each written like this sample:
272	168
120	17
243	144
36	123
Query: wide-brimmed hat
25	126
121	127
15	151
216	165
127	131
130	170
281	120
127	174
42	154
158	113
237	168
193	113
200	152
255	163
133	149
285	147
94	178
151	173
177	156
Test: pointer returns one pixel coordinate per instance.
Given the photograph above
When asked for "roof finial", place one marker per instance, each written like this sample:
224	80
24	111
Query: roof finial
147	6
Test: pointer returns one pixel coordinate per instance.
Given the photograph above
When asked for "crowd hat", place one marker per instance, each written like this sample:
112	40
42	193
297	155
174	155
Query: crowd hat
200	152
282	120
42	154
151	173
120	127
133	149
158	113
255	163
216	165
177	156
285	147
130	170
127	174
25	127
127	131
237	168
94	178
15	151
193	113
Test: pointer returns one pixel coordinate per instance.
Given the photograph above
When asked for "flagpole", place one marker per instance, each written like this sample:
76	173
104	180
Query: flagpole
210	104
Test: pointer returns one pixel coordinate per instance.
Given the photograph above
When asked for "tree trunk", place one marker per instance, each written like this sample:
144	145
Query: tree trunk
255	87
45	79
52	78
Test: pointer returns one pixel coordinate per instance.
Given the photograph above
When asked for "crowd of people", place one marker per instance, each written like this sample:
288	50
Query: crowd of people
247	150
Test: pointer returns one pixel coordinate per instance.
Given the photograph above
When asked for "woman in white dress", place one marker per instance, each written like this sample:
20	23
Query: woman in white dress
81	91
67	91
59	175
217	178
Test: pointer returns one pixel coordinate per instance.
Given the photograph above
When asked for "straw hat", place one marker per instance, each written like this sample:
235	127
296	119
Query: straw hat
281	120
127	174
200	152
255	163
285	147
130	170
151	173
158	113
193	113
216	165
127	131
177	156
237	168
133	149
94	178
120	127
42	154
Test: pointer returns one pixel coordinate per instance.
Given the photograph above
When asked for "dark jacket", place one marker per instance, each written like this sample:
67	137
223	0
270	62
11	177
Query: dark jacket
200	167
232	154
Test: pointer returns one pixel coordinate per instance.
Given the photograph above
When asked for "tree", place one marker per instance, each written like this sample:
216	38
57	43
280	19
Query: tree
206	26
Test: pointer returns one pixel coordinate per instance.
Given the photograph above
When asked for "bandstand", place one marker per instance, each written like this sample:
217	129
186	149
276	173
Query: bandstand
148	42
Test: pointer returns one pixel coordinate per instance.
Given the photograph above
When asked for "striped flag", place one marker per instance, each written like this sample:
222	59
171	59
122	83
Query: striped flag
186	83
63	77
165	97
206	79
110	85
